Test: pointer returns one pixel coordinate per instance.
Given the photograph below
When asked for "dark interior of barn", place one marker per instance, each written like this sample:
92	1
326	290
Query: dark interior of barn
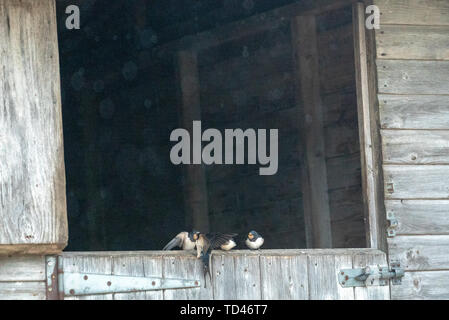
122	98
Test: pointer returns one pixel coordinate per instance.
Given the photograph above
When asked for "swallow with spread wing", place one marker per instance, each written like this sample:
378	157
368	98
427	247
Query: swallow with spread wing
207	242
184	240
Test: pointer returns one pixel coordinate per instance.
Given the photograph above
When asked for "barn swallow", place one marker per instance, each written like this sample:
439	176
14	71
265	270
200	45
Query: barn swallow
207	242
184	240
254	240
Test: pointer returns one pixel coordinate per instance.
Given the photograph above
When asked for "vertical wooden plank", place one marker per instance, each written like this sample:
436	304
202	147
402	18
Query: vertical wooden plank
370	151
128	266
89	264
374	292
314	175
195	187
186	267
284	277
153	268
247	277
323	277
32	177
223	270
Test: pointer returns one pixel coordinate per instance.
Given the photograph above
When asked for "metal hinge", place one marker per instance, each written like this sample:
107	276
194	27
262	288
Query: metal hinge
392	224
371	276
78	284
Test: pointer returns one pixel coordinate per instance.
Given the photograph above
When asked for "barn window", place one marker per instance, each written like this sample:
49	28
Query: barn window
136	71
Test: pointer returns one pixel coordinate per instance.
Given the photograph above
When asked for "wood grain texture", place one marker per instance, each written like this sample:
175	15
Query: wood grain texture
413	76
284	277
414	111
314	173
92	263
129	266
373	292
429	285
370	146
186	267
22	268
420	217
415	12
416	181
426	252
32	177
323	277
413	42
22	290
238	274
415	147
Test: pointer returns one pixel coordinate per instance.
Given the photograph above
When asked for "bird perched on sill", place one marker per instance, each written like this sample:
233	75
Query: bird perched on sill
184	240
254	240
207	242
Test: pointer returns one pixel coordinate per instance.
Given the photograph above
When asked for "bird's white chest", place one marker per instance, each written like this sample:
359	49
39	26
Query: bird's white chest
254	244
188	245
229	245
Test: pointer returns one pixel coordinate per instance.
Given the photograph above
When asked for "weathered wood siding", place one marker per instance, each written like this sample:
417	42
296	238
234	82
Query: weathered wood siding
32	178
240	274
413	76
22	278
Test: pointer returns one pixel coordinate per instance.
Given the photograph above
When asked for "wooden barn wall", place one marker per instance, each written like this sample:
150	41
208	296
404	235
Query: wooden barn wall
413	77
339	100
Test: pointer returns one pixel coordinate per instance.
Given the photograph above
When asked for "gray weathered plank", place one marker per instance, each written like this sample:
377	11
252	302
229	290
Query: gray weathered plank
370	145
186	267
32	177
417	217
427	285
22	268
284	277
153	268
420	252
247	277
415	12
372	292
414	111
413	76
415	146
28	290
413	42
323	278
223	270
416	181
128	266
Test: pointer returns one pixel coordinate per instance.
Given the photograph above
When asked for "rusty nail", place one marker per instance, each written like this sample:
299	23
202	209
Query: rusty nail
196	283
153	283
346	278
72	291
342	273
109	283
85	278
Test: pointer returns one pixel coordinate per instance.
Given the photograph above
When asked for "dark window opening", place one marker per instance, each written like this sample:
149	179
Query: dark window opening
121	101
